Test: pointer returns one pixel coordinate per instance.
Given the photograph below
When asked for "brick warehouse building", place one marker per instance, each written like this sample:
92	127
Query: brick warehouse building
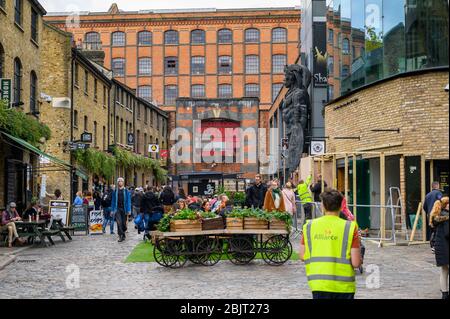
197	54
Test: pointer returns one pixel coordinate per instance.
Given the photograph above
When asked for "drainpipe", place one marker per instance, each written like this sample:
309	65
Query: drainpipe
71	120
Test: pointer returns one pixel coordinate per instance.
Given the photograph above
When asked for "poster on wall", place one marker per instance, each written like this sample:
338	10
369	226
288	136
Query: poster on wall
96	222
320	54
60	209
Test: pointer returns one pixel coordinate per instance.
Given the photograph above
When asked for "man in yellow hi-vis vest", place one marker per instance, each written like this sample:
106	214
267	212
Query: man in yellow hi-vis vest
305	197
330	248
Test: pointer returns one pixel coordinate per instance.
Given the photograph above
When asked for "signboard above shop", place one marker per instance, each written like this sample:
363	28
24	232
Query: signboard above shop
5	90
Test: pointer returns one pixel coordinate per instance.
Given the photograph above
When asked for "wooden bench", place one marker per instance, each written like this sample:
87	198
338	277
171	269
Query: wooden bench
53	232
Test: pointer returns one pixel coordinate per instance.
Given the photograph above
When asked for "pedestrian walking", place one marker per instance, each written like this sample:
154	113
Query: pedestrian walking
136	200
121	208
428	204
439	222
316	189
330	248
274	200
256	194
106	204
97	200
78	199
167	198
148	206
305	197
289	199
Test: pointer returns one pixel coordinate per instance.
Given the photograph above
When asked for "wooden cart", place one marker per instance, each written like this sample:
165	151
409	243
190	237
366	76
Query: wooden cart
174	249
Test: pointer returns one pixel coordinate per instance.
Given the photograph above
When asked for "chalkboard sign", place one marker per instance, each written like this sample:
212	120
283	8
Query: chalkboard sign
79	218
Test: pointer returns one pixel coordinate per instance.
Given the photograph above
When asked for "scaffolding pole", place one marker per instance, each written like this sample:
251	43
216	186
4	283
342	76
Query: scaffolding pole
354	187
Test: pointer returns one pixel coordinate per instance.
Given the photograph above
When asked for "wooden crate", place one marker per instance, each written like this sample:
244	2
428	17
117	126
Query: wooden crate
235	223
185	225
277	225
212	223
255	223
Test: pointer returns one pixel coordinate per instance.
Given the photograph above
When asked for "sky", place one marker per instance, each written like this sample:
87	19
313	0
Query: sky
133	5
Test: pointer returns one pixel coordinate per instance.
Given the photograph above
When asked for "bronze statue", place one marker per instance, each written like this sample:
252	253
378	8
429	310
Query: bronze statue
295	107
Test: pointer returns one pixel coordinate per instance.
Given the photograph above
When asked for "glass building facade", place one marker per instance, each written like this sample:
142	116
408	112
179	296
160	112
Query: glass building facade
370	40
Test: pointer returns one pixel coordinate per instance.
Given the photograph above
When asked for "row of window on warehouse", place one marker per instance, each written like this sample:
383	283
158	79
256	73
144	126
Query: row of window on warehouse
224	65
198	37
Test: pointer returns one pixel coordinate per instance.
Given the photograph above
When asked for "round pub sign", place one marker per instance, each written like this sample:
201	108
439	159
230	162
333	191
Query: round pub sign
153	148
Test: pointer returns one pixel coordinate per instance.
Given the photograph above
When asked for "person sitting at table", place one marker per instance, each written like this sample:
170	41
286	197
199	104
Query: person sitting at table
32	211
9	217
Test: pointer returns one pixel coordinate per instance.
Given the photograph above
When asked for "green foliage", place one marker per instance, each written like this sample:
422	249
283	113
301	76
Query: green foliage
186	214
373	40
260	214
130	160
164	223
96	162
284	217
22	126
208	215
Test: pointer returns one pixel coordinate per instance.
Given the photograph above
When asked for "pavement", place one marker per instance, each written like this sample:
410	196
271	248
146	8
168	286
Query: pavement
93	267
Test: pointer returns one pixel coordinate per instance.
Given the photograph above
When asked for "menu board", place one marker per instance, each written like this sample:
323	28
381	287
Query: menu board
60	209
96	222
79	218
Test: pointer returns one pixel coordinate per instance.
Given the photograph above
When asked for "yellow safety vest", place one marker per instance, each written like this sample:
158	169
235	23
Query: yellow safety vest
328	244
303	191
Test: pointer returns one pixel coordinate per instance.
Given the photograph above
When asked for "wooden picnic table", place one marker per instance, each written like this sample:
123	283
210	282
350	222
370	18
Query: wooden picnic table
34	229
58	225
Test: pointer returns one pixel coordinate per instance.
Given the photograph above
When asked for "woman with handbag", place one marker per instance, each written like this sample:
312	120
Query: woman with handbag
439	221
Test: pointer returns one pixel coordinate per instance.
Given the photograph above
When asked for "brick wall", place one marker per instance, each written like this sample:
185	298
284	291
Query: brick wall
416	104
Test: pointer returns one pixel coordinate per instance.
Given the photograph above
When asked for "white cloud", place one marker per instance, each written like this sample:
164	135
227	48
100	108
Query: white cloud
103	5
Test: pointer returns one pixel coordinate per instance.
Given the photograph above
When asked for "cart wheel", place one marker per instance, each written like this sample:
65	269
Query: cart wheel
209	251
277	250
241	250
176	257
191	245
160	253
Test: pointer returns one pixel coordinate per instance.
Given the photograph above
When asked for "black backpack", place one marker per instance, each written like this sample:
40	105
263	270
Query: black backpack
107	200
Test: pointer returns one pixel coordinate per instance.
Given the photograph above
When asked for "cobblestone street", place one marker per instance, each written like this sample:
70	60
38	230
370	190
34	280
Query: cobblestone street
405	272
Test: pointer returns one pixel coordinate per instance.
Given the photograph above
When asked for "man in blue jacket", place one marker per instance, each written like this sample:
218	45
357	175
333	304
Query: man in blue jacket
121	207
430	199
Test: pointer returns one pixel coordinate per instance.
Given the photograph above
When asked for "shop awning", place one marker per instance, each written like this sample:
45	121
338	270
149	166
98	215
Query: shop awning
51	158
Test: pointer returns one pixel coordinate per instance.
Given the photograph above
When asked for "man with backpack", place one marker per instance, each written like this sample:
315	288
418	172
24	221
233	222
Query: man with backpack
106	204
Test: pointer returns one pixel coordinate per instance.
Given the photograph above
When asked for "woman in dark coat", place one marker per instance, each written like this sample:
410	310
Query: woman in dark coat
439	221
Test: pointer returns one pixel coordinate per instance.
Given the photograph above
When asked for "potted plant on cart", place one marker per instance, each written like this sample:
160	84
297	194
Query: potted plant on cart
280	220
235	220
256	219
186	220
211	221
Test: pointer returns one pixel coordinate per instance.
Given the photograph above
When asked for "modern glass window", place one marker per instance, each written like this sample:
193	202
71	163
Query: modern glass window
198	37
279	35
252	64
118	67
170	94
18	11
276	88
145	66
17	89
252	36
225	91
330	36
171	66
278	63
225	65
118	39
171	37
145	92
2	60
225	36
34	25
197	91
33	93
197	65
346	46
144	38
252	90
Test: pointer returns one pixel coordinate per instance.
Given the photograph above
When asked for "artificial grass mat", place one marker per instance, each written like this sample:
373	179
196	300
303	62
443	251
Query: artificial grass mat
143	253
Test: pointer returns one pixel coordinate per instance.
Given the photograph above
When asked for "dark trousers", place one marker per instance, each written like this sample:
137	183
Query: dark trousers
121	219
308	211
332	295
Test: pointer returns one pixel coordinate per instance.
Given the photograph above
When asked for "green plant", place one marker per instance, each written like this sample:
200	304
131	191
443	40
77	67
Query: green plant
96	162
282	216
186	214
207	215
22	126
164	223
